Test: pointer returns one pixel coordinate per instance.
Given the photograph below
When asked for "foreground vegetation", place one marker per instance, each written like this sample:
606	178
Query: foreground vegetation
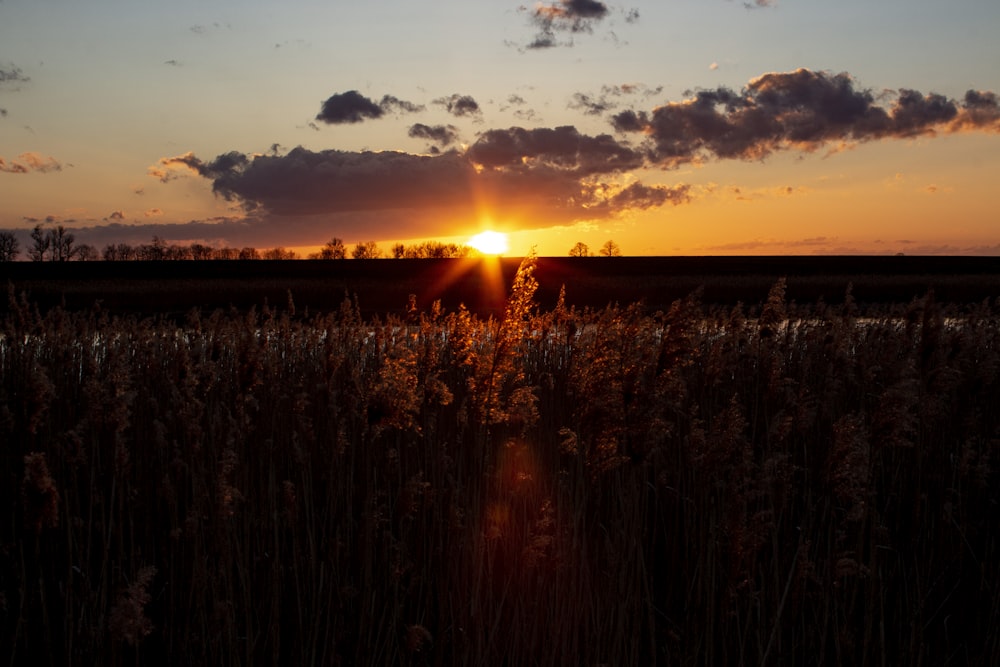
695	486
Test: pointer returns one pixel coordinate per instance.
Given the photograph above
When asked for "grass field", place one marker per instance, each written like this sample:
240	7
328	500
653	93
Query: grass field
529	481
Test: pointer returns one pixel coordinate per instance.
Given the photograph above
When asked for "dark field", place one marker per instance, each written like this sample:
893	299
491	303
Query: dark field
201	472
383	286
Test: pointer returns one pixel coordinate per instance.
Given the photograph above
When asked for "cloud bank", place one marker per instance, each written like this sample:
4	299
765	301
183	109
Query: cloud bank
801	110
545	176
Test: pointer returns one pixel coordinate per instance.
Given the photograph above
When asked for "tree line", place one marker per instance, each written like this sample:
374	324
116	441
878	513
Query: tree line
57	244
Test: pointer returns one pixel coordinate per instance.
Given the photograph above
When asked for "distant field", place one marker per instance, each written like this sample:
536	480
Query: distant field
383	286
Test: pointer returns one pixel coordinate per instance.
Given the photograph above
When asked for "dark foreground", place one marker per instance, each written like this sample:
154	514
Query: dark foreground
385	285
551	486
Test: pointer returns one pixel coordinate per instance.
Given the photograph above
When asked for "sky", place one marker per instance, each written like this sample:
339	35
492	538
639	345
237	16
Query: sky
673	127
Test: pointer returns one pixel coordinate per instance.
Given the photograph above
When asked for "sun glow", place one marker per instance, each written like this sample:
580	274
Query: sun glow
489	243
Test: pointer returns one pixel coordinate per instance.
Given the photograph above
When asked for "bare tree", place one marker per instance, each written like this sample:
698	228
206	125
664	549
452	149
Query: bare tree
579	250
39	249
366	250
334	249
119	252
279	253
61	248
86	253
398	251
611	249
201	251
9	247
154	251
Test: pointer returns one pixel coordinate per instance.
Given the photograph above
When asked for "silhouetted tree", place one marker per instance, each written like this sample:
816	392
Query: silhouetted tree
55	245
579	250
155	251
249	252
119	252
201	251
279	253
39	245
398	251
611	249
86	253
436	250
334	249
9	247
61	248
366	250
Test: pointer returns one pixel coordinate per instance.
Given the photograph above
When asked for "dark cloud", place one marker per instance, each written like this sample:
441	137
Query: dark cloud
589	105
349	107
568	17
540	177
392	104
353	107
802	110
561	147
460	105
172	63
442	135
642	197
12	74
609	98
3	112
30	162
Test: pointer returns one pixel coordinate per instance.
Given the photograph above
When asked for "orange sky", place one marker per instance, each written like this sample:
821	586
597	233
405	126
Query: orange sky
688	128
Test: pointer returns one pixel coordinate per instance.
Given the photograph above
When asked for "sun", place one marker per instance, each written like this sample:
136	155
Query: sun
489	242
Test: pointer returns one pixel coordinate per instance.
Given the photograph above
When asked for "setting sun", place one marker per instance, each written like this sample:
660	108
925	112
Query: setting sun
489	243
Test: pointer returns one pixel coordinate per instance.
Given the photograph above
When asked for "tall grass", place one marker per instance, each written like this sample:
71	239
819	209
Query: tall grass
614	486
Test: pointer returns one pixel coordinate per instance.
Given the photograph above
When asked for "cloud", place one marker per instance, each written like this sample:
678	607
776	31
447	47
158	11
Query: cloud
116	215
213	27
757	4
353	107
391	104
548	176
641	197
537	177
29	162
568	16
801	110
349	107
609	98
562	147
442	135
12	74
460	105
589	105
